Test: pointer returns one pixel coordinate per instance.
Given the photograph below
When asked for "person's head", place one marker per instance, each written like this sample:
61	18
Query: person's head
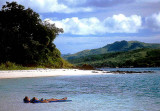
26	99
34	98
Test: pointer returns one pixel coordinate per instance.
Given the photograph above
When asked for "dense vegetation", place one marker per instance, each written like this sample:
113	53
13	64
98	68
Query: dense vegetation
26	40
135	58
115	47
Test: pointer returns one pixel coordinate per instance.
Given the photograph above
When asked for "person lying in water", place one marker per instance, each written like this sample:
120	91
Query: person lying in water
36	100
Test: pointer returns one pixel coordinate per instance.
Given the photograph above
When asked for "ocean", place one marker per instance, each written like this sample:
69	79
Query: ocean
114	92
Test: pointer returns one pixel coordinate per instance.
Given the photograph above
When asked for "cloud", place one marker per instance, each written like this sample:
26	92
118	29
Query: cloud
102	3
122	24
46	6
78	26
93	26
153	22
75	6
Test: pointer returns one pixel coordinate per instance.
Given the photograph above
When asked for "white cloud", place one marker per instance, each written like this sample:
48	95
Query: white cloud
93	26
44	6
122	24
75	6
78	26
53	6
153	22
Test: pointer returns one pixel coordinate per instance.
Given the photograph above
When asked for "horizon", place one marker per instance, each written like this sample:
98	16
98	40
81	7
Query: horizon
90	24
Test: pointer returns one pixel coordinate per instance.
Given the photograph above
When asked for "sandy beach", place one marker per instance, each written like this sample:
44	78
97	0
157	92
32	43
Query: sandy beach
47	73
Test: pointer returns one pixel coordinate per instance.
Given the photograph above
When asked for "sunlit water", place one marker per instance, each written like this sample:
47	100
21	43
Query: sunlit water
116	92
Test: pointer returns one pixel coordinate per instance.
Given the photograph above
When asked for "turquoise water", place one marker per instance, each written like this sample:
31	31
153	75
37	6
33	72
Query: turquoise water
117	92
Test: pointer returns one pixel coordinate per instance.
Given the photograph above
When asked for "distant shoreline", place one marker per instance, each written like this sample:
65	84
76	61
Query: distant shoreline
47	73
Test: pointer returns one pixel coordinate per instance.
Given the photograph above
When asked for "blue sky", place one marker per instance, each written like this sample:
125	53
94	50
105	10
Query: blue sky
92	24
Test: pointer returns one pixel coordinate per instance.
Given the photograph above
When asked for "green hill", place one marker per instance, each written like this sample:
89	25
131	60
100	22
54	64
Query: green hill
27	41
119	54
118	46
134	58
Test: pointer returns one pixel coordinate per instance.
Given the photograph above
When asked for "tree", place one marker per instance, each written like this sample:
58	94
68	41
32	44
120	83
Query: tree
24	38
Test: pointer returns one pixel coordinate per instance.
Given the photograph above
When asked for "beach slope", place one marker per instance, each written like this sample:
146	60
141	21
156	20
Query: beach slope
46	73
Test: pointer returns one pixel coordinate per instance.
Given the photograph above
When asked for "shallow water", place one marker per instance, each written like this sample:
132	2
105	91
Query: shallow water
117	92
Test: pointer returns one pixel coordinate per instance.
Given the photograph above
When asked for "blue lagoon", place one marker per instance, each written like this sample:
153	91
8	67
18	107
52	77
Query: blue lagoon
114	92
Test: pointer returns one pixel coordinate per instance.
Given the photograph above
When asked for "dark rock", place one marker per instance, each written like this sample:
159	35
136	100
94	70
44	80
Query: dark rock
86	67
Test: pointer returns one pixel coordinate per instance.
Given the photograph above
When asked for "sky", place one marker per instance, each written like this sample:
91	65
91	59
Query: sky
90	24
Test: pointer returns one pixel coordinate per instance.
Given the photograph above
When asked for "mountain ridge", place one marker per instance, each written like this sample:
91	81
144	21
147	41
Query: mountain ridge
118	46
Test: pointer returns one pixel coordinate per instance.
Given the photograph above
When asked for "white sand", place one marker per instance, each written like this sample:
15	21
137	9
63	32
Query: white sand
47	73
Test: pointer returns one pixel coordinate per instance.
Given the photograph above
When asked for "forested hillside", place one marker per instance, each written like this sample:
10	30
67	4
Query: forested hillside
27	40
135	58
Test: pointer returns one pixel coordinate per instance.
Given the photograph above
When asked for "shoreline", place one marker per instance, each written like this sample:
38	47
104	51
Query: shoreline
47	73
